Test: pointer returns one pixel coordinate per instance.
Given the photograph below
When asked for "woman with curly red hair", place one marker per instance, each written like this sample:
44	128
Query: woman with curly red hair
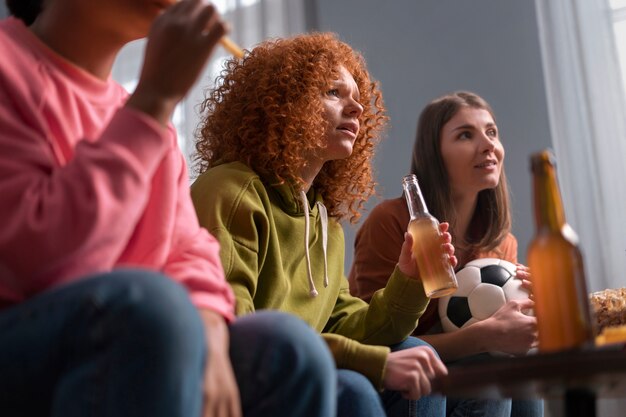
284	152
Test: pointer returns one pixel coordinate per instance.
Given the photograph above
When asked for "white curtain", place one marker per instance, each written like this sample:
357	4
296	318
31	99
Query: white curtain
250	21
587	117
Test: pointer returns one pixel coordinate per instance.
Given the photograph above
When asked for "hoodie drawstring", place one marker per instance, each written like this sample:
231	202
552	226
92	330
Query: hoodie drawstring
324	220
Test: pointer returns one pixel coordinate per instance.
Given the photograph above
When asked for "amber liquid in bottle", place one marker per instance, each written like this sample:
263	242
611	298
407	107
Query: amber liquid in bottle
433	264
556	265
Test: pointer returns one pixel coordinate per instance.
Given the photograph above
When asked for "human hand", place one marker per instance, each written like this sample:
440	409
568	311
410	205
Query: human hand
448	247
523	274
220	390
411	371
179	44
509	330
407	263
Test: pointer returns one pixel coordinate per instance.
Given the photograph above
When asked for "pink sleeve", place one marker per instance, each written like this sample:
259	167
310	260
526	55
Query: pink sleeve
49	213
194	260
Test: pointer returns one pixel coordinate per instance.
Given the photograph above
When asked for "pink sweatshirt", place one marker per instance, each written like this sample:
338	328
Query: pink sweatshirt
87	185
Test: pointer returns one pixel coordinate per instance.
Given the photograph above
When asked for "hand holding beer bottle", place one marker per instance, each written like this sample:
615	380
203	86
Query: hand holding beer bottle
434	264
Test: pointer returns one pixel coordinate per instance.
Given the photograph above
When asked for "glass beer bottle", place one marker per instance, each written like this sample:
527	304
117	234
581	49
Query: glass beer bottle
556	265
433	263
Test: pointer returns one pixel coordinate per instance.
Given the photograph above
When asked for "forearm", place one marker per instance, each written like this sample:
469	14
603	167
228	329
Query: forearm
462	343
216	334
394	311
365	359
54	210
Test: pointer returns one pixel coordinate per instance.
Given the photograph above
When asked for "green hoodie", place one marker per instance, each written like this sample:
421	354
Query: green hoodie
262	231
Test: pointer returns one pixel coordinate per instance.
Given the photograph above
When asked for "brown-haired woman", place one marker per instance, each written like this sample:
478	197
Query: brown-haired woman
459	161
288	137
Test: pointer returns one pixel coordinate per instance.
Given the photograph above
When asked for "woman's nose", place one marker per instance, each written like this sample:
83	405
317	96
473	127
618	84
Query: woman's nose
353	108
488	144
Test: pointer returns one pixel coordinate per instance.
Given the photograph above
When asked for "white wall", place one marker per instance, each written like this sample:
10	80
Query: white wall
422	49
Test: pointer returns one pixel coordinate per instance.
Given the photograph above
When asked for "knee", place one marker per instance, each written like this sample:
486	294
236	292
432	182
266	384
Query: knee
356	395
149	306
288	341
411	342
353	385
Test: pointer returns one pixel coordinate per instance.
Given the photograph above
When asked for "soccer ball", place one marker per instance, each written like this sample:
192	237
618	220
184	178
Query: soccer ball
485	285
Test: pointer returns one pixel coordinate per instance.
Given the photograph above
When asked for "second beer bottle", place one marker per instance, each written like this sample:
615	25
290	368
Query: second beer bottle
559	285
433	263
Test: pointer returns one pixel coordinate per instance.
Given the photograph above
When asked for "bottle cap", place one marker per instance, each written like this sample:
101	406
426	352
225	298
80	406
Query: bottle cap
539	160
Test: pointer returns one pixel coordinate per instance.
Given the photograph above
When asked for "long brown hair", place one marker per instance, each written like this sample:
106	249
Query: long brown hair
491	221
267	113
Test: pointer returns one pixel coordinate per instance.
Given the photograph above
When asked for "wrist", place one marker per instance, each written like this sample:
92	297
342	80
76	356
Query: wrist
479	333
159	108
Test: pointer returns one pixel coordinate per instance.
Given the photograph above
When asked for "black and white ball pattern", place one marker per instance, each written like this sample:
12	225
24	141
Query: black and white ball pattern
485	285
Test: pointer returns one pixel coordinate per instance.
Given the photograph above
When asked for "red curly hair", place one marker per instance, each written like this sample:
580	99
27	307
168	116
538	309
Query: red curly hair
267	113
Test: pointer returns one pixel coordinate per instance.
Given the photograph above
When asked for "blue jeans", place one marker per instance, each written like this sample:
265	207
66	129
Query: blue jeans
282	366
130	343
468	407
494	408
357	397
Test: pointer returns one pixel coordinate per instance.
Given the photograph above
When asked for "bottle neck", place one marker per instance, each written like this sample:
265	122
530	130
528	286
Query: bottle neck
413	195
549	212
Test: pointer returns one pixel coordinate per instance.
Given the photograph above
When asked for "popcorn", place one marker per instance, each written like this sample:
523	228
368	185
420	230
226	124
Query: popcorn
609	307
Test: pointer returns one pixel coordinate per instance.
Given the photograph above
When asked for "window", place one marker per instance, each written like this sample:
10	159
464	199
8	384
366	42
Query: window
618	12
582	47
250	22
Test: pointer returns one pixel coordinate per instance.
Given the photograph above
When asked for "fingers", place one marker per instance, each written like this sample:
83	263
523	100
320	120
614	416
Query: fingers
522	274
208	22
432	367
448	248
406	249
423	387
524	304
408	239
439	368
406	261
418	386
528	285
446	237
454	261
412	371
204	18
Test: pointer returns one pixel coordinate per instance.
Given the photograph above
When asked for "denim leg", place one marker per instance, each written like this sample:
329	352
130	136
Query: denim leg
282	366
474	407
356	395
478	408
396	406
125	343
527	408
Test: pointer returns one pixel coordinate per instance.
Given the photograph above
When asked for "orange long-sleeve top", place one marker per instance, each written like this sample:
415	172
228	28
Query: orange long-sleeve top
377	248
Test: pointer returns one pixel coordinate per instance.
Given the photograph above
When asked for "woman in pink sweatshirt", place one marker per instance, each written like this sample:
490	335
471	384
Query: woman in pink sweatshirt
112	298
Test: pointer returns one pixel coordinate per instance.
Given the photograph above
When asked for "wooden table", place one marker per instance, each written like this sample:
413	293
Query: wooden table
579	377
